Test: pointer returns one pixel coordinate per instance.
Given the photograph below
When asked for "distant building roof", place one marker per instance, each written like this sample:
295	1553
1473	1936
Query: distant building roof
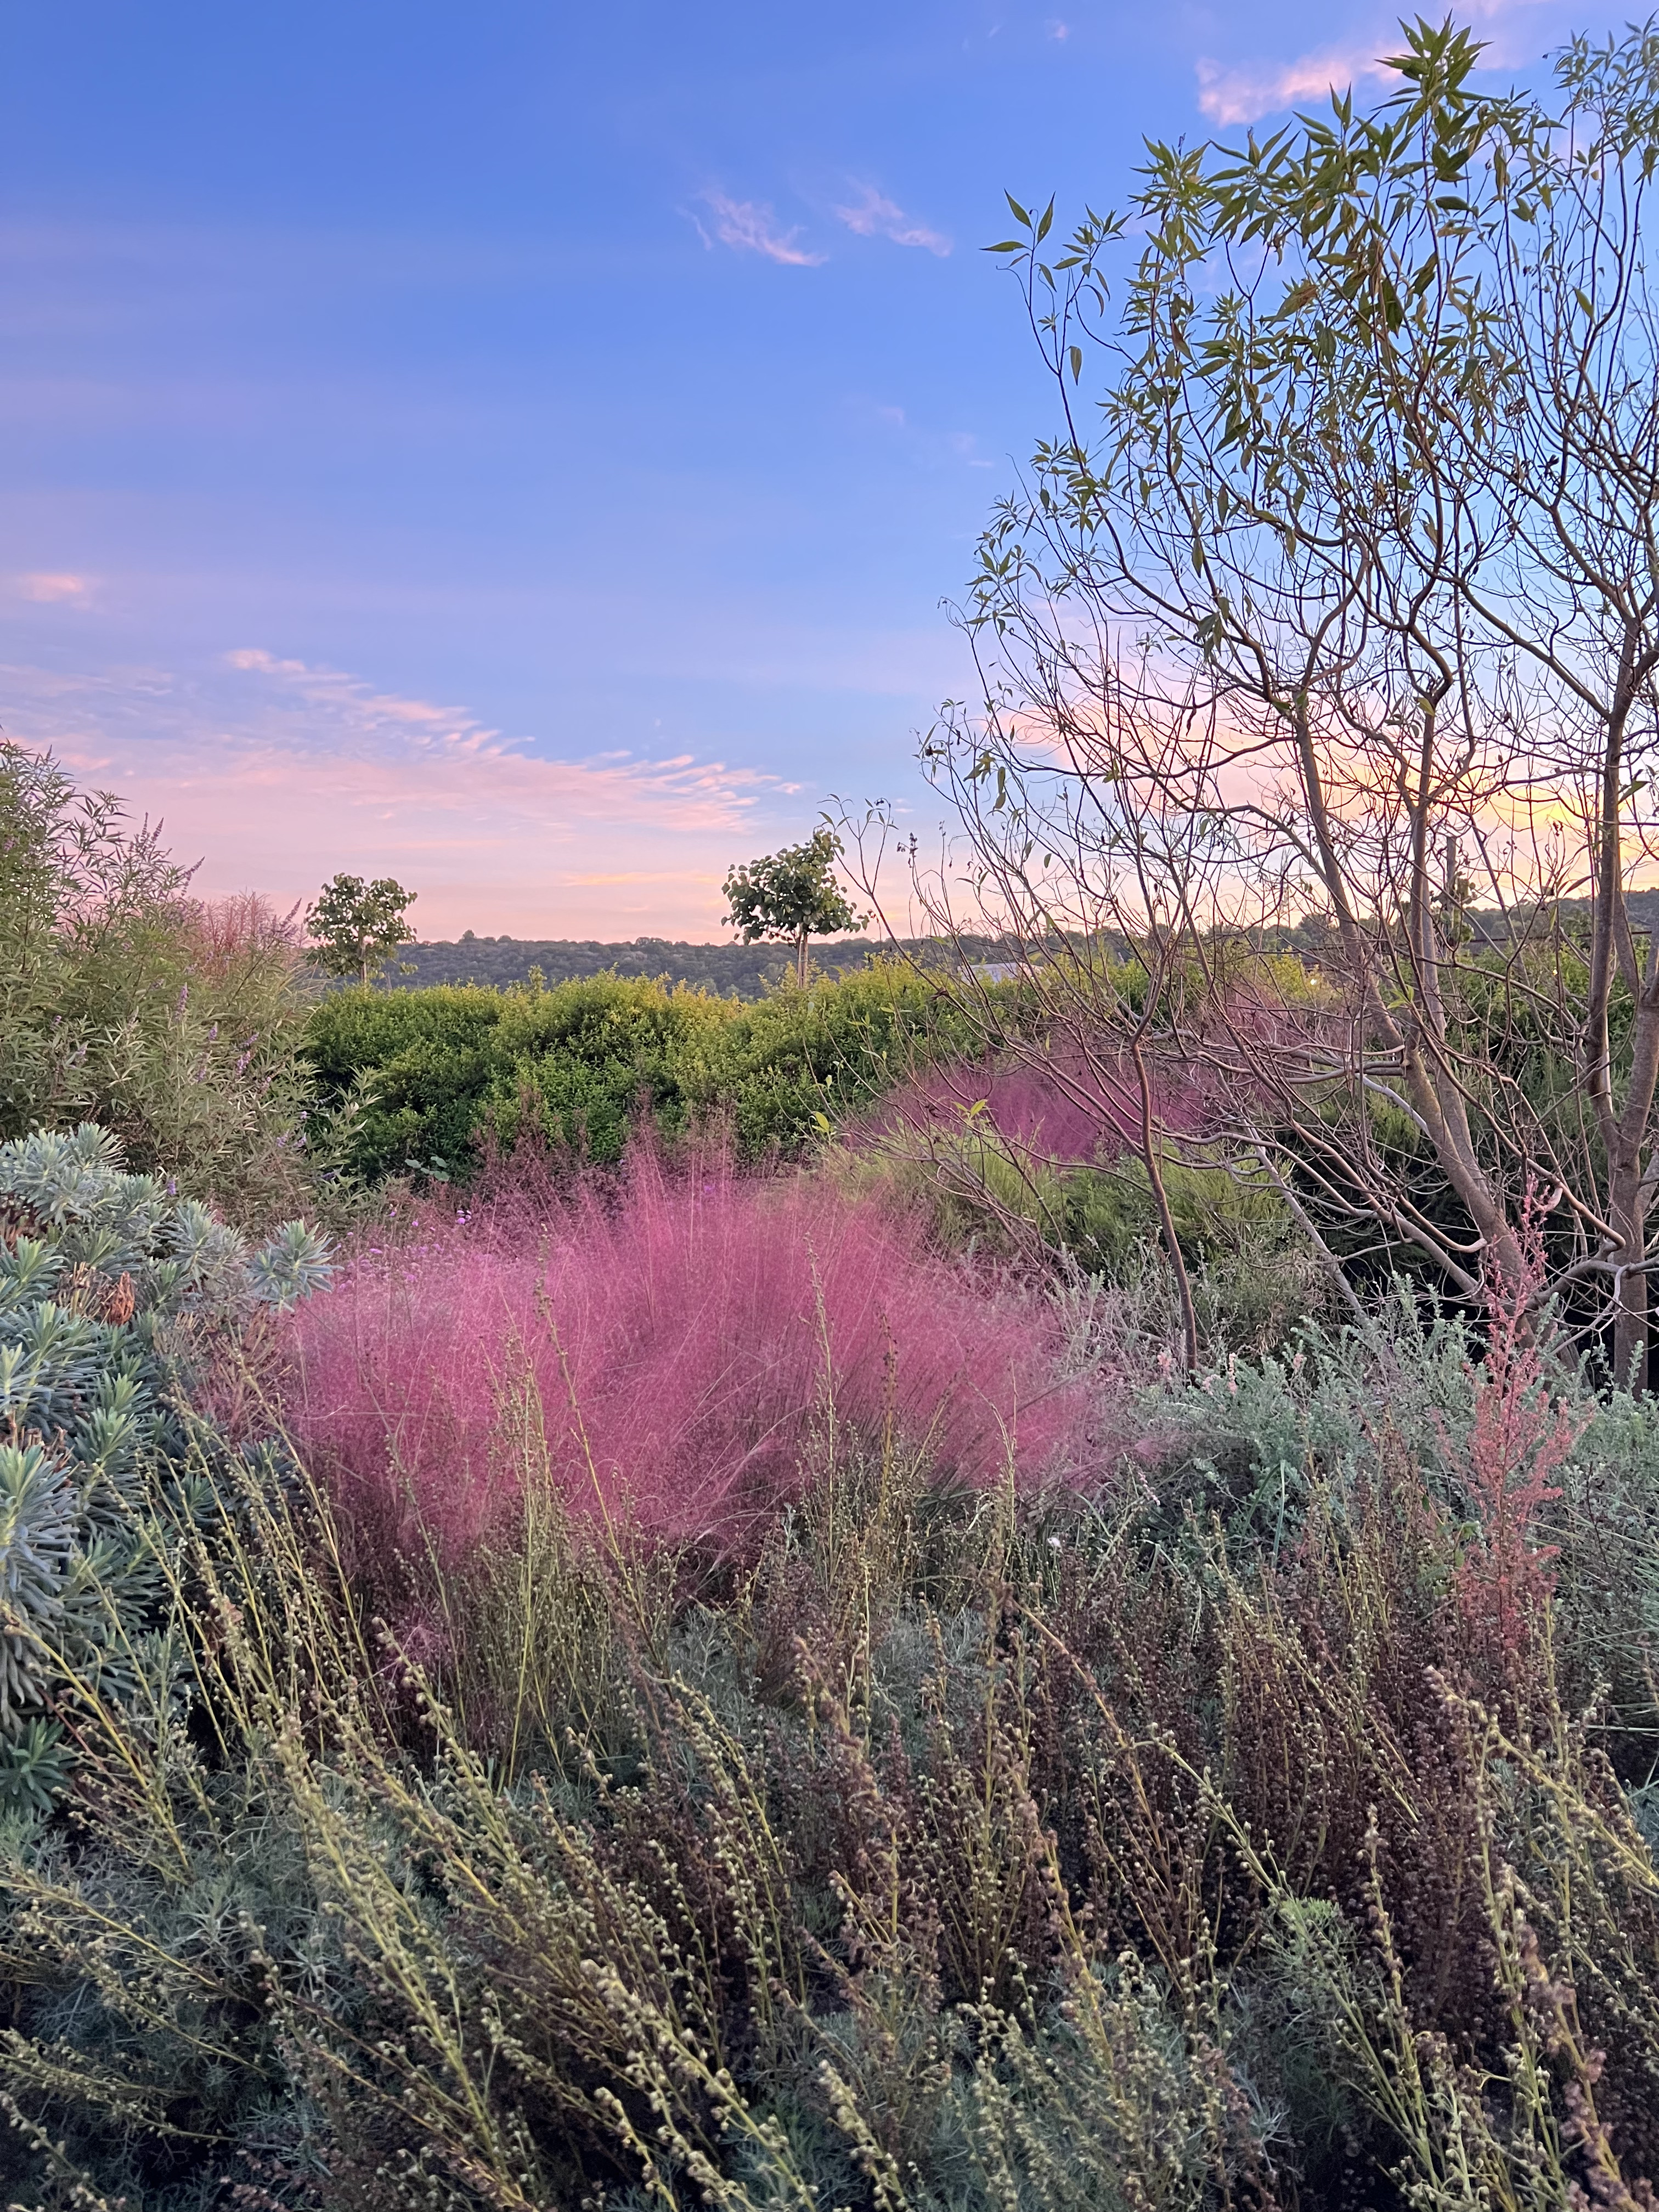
994	971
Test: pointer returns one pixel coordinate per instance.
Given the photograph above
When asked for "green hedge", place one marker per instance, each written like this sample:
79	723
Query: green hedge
439	1067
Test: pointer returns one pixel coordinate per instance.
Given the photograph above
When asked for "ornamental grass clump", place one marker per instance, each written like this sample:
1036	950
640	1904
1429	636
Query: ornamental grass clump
1051	1104
659	1350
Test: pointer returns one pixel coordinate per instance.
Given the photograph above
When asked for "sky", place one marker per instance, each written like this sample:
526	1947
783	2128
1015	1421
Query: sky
528	449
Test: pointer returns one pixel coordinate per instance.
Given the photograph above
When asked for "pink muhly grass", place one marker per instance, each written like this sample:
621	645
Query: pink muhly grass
673	1342
1054	1108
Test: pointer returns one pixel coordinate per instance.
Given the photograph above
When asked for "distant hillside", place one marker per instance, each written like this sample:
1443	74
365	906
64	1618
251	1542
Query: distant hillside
749	971
730	971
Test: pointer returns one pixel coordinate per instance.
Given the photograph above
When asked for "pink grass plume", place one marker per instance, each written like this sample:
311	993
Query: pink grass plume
663	1347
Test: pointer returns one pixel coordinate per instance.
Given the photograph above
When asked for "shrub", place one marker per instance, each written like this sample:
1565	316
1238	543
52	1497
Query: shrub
419	1062
107	1285
575	1065
797	1064
443	1068
578	1065
172	1021
663	1346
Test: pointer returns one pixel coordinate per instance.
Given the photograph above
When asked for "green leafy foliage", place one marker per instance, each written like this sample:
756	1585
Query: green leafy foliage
170	1021
577	1063
793	894
442	1066
795	1066
355	927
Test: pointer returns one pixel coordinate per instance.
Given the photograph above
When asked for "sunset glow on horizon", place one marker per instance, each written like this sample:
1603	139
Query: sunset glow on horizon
525	453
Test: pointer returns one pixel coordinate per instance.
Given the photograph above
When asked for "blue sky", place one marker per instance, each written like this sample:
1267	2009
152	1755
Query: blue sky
523	448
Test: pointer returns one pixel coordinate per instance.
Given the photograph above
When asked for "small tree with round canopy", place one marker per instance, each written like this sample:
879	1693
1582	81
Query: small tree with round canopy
792	896
355	927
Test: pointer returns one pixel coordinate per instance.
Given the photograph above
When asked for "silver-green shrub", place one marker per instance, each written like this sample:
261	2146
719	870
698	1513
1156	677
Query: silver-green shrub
108	1284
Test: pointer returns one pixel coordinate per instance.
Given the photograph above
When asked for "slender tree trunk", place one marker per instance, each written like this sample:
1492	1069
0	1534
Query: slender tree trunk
1155	1177
800	959
1622	1131
1627	1198
1630	1316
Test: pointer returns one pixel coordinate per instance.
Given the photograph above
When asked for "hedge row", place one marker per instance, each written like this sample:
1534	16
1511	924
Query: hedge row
437	1070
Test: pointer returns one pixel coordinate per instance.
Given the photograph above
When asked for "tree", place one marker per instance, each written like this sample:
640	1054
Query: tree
1351	586
793	894
357	926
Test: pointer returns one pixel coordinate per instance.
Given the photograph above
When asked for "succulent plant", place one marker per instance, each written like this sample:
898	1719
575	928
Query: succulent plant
96	1265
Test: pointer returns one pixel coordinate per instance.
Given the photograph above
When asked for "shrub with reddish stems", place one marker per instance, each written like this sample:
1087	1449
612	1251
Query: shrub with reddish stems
1516	1442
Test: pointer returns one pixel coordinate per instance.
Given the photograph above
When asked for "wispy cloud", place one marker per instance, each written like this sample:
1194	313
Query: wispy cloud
1242	93
1245	91
751	227
933	448
53	590
275	773
875	216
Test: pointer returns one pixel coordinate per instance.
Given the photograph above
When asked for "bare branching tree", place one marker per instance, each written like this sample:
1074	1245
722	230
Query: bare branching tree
1320	655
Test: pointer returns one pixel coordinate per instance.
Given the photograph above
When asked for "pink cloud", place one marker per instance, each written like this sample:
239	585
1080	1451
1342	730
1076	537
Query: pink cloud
751	227
53	590
1245	91
277	774
1257	89
875	216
